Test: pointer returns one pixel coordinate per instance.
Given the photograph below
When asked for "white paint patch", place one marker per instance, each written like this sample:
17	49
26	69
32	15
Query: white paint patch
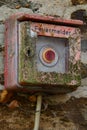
33	34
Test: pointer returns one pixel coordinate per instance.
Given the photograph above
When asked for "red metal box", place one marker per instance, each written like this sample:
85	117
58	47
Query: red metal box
42	53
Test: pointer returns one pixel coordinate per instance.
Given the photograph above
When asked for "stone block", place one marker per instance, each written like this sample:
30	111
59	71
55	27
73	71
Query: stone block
68	11
5	12
1	38
52	10
2	28
1	62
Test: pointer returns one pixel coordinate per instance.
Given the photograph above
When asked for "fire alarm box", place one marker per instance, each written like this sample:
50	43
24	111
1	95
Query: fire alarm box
42	53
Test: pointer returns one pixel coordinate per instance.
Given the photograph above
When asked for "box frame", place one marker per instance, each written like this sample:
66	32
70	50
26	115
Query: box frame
11	53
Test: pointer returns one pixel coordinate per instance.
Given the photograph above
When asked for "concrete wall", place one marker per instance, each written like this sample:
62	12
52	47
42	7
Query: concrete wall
57	8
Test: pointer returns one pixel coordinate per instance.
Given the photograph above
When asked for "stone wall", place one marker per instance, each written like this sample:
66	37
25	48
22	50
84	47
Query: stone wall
66	9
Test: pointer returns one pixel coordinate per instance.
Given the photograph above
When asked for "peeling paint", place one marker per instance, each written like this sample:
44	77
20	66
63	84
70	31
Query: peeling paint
28	73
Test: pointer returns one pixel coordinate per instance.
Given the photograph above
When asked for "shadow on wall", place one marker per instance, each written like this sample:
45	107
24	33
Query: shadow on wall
82	15
79	14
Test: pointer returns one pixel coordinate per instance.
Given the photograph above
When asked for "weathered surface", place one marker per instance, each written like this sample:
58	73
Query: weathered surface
27	67
8	11
11	11
70	10
72	114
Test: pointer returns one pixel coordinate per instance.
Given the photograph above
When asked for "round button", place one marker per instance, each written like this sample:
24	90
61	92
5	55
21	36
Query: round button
48	55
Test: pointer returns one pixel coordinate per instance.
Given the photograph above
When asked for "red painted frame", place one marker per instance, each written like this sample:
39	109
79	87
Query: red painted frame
11	37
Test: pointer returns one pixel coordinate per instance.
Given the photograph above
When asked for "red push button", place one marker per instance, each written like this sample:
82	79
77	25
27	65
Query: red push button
48	55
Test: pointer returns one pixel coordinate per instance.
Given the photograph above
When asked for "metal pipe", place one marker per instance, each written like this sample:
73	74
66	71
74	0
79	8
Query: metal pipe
37	114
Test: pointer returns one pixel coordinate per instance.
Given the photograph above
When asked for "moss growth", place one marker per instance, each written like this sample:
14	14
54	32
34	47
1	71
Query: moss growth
27	65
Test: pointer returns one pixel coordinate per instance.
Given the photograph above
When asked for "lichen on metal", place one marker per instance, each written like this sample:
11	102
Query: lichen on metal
28	73
27	69
21	57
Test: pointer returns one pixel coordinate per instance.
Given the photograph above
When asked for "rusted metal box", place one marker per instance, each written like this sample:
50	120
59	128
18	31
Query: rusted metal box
42	53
